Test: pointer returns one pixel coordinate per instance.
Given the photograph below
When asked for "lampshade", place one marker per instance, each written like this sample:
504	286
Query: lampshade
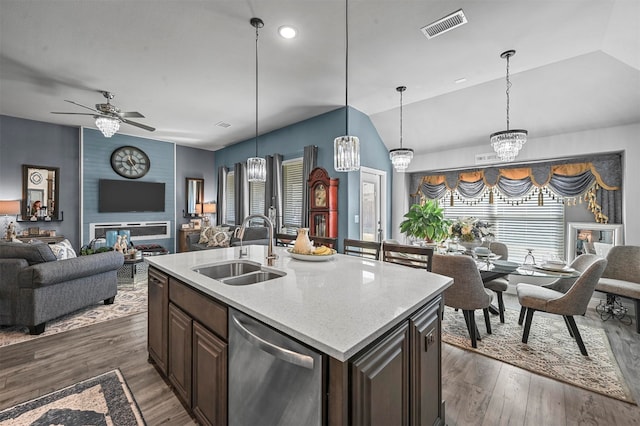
508	143
107	125
256	166
209	208
401	157
9	207
198	208
346	149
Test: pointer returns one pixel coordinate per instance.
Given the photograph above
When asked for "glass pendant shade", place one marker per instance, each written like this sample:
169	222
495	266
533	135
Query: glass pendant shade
256	169
108	126
346	154
508	143
400	158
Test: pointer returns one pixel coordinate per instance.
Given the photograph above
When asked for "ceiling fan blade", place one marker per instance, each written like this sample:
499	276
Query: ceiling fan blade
80	105
142	126
73	113
131	114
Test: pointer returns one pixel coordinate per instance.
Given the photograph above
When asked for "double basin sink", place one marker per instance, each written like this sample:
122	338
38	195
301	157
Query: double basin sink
239	272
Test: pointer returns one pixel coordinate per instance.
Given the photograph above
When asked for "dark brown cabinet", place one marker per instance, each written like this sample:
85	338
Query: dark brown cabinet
209	399
158	288
180	341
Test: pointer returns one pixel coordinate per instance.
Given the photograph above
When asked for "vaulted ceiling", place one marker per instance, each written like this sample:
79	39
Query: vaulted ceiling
190	64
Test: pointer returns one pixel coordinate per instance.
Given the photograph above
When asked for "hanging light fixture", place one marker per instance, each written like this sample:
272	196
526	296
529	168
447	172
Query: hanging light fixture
256	166
401	157
107	125
346	149
507	143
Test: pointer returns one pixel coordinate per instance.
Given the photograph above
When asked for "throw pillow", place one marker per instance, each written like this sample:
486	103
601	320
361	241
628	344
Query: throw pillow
208	232
220	239
63	250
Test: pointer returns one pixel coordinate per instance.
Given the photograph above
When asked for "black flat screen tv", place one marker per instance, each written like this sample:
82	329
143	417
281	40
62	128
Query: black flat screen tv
119	196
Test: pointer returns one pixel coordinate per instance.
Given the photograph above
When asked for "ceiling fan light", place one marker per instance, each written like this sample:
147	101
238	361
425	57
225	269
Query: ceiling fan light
346	153
400	158
107	125
256	169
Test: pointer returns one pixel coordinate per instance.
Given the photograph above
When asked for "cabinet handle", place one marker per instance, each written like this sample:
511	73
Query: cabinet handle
282	353
429	339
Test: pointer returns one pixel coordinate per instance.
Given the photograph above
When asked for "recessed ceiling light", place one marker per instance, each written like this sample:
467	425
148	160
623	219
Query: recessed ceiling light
460	80
287	31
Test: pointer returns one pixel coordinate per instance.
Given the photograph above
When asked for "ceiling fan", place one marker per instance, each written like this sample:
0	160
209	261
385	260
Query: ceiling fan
111	113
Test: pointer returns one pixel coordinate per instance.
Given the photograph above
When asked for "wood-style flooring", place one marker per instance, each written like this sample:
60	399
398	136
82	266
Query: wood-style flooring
477	390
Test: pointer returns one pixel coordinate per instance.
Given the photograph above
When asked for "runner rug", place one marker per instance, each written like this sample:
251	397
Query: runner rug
550	351
101	400
127	302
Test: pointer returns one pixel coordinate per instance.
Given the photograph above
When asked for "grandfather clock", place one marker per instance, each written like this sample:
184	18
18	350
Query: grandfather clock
323	204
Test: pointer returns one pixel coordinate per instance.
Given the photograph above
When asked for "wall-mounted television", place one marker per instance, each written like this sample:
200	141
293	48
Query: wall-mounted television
118	196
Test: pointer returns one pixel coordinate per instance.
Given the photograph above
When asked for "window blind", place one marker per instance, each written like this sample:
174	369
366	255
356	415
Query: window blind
520	227
293	182
256	197
230	215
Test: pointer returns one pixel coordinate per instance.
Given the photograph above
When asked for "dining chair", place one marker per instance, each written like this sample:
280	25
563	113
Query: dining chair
323	241
368	249
573	302
413	256
499	285
467	292
285	240
580	264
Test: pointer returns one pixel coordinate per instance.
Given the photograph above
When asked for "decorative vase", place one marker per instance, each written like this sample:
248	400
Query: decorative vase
470	245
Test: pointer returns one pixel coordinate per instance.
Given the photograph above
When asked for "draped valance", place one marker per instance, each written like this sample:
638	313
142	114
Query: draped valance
596	181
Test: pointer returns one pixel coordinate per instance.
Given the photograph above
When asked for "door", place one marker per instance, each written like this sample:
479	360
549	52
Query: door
372	214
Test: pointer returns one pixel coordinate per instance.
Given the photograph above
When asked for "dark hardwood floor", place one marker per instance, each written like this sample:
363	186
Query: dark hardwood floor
478	390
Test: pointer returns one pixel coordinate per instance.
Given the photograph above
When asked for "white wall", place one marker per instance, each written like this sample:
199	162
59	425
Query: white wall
612	139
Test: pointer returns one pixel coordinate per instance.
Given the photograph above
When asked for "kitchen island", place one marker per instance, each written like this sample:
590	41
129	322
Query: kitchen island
376	326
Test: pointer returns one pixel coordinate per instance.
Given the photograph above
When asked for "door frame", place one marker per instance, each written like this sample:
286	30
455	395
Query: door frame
382	175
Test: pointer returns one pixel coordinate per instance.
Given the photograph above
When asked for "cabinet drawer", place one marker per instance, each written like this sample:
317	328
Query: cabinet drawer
207	311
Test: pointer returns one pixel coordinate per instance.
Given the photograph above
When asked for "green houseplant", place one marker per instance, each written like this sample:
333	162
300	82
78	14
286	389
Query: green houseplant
425	221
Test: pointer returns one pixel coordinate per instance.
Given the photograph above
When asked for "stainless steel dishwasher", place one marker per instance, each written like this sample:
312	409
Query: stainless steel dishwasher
273	380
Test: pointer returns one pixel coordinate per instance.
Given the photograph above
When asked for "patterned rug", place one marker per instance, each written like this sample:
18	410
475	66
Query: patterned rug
101	400
127	302
550	352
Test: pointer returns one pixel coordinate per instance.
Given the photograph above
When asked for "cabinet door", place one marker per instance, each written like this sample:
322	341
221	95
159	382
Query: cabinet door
179	367
209	377
426	383
380	382
158	285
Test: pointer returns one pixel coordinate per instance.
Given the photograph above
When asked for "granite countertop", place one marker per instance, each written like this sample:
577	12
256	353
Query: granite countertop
338	306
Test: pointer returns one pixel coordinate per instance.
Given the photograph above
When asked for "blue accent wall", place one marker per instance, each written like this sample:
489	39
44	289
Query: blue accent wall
97	165
321	131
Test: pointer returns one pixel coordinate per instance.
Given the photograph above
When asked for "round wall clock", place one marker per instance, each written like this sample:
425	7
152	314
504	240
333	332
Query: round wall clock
130	162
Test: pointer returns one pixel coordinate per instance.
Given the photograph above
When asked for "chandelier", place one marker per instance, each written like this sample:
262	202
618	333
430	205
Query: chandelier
507	143
401	157
346	149
256	166
108	125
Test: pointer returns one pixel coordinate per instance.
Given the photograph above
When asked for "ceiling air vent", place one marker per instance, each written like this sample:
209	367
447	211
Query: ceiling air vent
487	158
223	124
445	24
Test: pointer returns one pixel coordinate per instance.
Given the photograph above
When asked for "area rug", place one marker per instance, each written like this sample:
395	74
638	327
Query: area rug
127	302
101	400
550	351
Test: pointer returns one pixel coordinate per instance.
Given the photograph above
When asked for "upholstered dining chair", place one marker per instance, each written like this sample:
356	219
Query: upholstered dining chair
580	264
573	302
467	292
499	285
367	249
413	256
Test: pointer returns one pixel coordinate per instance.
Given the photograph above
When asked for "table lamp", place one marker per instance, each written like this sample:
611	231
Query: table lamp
9	207
208	208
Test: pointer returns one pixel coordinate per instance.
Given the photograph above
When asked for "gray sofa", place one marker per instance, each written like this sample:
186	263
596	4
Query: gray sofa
35	287
256	235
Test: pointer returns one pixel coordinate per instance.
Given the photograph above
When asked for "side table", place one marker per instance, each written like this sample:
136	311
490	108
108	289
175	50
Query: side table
134	271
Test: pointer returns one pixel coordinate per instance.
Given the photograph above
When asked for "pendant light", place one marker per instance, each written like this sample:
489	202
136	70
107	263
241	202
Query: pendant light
346	149
401	157
507	143
256	166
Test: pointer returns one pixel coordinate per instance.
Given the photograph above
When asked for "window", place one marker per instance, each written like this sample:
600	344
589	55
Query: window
256	197
229	199
292	181
520	227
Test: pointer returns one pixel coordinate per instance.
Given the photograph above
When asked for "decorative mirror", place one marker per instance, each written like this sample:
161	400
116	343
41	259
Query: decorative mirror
194	197
593	238
40	192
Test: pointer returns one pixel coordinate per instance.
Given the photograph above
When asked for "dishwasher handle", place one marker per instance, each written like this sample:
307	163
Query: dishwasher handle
284	354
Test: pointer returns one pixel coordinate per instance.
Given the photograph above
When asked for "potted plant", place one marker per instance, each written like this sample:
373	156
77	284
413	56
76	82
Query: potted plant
425	221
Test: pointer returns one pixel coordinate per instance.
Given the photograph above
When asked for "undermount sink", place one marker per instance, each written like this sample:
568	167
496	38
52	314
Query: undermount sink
239	272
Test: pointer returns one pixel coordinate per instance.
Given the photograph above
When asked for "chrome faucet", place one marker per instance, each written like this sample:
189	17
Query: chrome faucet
270	255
